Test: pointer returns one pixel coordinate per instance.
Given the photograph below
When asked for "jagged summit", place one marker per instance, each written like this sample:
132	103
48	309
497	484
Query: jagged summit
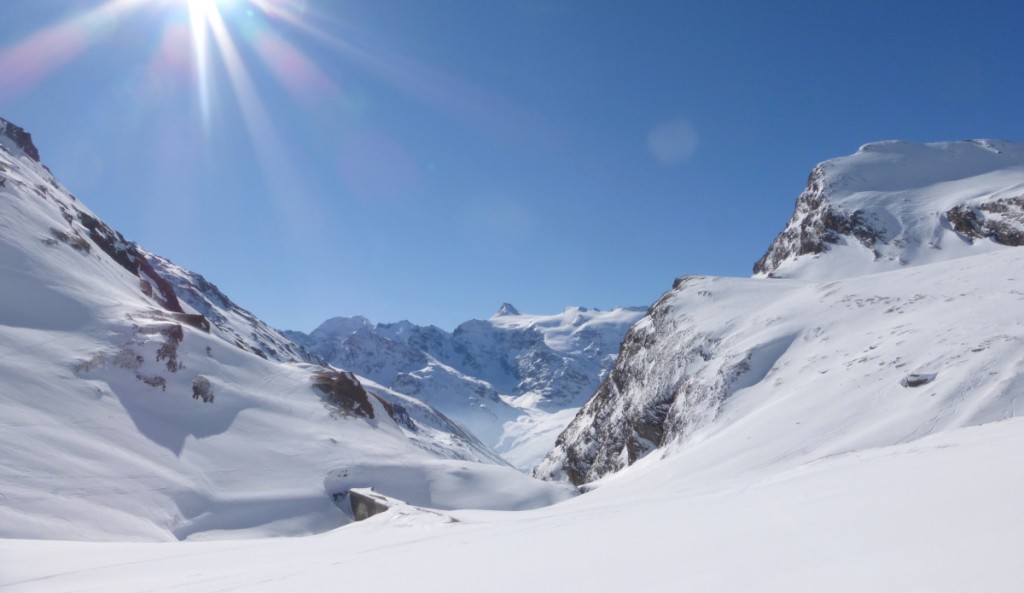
21	139
507	309
897	203
508	379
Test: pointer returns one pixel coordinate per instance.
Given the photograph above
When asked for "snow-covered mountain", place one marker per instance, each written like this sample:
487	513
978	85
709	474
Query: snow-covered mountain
138	402
887	310
508	379
845	435
894	204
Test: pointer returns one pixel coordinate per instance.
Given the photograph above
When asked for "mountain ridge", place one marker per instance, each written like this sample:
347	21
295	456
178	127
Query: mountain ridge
503	378
900	203
871	283
141	403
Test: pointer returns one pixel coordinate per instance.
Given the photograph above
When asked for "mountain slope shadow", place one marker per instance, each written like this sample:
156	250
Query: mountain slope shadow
168	417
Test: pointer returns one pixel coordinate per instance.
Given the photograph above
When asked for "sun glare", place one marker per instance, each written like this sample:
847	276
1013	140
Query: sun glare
202	5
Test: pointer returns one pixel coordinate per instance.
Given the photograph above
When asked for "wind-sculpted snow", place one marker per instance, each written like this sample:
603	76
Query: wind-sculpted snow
138	402
916	332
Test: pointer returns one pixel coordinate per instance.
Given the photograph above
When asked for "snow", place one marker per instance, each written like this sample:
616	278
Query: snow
940	515
827	361
819	468
902	191
509	380
103	438
529	437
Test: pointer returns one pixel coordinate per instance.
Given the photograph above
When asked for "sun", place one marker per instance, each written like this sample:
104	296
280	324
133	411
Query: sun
202	5
218	34
204	8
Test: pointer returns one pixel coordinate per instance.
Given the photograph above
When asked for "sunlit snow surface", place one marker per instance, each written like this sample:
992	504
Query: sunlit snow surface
939	515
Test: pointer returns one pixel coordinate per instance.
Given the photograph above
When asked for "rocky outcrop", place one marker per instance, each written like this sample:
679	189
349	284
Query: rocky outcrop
1001	220
21	139
343	393
894	204
668	381
233	323
816	225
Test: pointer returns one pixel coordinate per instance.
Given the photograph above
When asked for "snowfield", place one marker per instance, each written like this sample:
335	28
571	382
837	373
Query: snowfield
941	515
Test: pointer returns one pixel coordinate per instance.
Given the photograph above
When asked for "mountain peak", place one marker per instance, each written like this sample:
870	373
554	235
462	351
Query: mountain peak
897	203
21	139
506	310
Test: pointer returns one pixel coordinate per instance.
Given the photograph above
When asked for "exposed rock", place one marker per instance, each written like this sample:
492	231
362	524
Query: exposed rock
21	138
367	503
202	389
891	205
637	408
344	393
230	321
506	309
1001	220
546	362
894	204
816	224
918	379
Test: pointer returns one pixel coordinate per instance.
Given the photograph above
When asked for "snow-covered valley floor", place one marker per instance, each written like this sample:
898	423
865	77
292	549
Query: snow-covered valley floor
939	514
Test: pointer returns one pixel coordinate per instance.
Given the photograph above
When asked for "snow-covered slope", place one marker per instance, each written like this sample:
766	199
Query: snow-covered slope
904	341
508	379
130	412
939	515
893	204
231	322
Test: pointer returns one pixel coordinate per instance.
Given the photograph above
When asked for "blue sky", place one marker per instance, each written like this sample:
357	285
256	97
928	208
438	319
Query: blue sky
431	159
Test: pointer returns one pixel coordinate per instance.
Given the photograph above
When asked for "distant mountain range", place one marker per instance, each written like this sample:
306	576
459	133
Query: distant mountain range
509	379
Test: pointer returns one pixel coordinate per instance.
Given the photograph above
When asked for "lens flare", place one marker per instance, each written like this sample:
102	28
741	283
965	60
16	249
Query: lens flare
28	63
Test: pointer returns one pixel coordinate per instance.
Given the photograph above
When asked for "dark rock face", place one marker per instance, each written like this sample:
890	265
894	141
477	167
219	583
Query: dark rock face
816	224
344	393
918	379
366	503
1001	220
131	258
21	138
664	385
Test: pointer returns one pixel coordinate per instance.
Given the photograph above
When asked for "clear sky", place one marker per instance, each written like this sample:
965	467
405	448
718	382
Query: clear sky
431	159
